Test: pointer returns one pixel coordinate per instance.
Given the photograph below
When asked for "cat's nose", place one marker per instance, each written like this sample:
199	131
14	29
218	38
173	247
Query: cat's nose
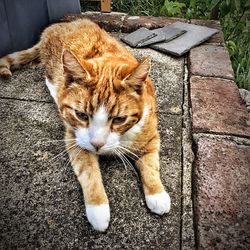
97	144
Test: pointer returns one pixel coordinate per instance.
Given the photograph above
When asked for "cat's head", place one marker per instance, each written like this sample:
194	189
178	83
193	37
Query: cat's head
103	101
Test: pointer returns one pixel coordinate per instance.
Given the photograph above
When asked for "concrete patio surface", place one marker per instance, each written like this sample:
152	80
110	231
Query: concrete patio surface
41	200
205	159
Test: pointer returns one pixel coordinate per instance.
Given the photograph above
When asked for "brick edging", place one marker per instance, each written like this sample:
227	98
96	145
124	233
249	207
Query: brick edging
221	132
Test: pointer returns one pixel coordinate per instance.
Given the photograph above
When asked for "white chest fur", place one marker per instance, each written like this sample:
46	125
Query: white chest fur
52	88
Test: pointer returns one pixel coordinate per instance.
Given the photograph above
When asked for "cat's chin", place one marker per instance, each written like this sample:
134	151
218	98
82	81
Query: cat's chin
100	152
104	153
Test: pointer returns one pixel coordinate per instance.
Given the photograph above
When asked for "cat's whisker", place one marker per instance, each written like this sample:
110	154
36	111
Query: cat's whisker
112	146
130	152
61	140
59	147
67	163
77	153
61	153
132	143
120	156
127	161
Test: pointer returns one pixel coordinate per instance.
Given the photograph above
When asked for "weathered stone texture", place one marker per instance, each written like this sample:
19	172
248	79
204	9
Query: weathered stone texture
195	35
132	23
222	206
125	23
217	107
109	22
211	60
215	24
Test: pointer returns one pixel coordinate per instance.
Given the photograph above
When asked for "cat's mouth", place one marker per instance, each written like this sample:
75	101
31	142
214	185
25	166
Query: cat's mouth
101	151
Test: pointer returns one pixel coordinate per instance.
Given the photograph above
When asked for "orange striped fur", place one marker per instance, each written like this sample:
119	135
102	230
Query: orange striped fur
107	102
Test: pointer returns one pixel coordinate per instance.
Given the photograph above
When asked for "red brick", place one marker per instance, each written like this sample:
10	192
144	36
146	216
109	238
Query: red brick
217	107
215	39
221	200
211	60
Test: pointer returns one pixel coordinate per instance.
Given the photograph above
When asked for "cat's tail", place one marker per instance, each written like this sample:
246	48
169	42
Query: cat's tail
18	59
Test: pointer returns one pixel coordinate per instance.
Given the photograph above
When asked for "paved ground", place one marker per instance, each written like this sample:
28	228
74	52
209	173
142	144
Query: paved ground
205	159
41	201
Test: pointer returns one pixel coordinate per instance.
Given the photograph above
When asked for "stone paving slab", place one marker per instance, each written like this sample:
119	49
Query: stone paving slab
222	194
195	35
163	34
138	37
41	203
160	36
211	60
31	86
217	107
216	39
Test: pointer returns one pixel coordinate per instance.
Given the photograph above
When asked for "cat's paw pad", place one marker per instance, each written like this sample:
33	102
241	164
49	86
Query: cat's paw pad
98	216
158	203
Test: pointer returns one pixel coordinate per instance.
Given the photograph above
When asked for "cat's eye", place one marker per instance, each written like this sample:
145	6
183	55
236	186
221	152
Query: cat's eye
119	120
82	116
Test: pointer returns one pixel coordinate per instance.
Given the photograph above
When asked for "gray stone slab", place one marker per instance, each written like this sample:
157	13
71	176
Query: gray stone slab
166	34
160	37
41	204
139	36
195	35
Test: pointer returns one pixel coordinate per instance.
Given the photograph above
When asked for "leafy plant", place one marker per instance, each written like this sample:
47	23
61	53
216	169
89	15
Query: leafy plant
235	19
172	8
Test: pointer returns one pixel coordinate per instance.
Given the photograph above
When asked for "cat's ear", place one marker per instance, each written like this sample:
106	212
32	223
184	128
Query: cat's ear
73	70
138	77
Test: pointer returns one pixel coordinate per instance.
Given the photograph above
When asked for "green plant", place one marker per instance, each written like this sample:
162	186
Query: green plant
235	19
170	8
139	7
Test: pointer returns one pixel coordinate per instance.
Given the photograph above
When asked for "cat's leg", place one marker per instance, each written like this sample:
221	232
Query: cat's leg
86	168
157	199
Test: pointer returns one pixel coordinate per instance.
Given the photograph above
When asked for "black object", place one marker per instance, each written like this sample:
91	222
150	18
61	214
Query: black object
22	21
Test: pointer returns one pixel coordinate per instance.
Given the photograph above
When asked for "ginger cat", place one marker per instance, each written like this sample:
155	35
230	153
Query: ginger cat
107	103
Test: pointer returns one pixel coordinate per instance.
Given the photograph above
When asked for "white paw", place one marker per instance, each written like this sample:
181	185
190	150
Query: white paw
158	203
98	216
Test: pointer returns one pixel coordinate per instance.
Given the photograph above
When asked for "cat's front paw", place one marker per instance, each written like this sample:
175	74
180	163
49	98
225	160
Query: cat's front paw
159	203
98	216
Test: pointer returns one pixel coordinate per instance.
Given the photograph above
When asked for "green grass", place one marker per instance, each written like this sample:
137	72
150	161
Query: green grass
238	44
233	14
